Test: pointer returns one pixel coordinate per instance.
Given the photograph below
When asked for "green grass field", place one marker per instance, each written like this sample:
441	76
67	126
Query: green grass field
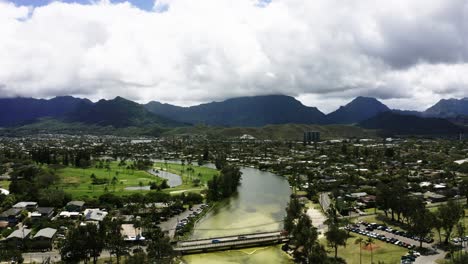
384	252
78	182
204	174
5	184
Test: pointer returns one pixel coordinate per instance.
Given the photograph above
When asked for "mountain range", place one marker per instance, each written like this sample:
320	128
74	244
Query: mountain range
243	111
255	111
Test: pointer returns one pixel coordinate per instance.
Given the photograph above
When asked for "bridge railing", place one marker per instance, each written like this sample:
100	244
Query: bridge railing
233	242
212	238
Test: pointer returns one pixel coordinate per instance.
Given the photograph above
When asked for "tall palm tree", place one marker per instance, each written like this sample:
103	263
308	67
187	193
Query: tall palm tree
359	241
370	242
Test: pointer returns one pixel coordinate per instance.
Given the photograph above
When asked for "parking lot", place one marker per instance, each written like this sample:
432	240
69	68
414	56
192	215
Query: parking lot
395	237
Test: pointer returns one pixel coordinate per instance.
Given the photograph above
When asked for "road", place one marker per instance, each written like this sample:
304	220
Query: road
248	240
318	220
324	200
170	224
39	257
227	239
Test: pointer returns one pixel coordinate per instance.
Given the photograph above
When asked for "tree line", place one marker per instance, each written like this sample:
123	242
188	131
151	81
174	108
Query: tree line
224	185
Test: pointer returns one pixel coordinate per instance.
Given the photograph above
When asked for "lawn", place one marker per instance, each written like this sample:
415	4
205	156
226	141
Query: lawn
384	252
5	184
204	174
78	181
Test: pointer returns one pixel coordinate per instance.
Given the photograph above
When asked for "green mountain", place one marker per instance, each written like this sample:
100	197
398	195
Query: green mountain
448	108
19	111
252	111
361	108
390	123
293	132
118	113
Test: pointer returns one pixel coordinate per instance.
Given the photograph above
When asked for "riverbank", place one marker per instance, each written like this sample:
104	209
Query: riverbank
194	178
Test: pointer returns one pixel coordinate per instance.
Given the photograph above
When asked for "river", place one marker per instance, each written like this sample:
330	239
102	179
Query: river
258	206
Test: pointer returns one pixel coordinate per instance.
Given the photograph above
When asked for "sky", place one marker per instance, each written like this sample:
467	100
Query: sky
408	54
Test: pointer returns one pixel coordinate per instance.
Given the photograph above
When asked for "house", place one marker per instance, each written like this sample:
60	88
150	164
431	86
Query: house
434	197
355	196
368	200
44	238
130	233
75	206
95	215
30	206
12	216
43	213
18	238
4	191
66	214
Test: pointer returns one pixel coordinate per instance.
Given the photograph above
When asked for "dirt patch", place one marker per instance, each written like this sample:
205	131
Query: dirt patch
370	247
70	180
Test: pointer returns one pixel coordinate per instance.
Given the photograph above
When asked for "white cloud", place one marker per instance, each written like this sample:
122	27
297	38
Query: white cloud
323	51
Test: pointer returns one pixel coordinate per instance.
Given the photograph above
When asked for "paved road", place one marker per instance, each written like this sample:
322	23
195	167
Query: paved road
227	239
324	200
318	220
431	259
237	243
171	223
39	257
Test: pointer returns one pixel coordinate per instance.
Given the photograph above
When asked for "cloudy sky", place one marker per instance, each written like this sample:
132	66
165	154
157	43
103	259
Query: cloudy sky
407	53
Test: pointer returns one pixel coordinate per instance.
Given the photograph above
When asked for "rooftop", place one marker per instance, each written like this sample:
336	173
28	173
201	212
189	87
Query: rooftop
20	233
46	232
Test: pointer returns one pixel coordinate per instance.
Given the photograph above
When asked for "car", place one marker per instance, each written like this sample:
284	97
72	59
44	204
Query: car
241	237
215	241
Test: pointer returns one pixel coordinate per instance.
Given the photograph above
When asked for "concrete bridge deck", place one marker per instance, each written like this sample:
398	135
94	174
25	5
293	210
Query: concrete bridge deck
230	242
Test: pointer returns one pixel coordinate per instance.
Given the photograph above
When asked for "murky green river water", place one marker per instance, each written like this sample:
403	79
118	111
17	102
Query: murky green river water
258	206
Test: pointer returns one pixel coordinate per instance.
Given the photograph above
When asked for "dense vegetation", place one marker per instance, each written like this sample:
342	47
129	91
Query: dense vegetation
225	184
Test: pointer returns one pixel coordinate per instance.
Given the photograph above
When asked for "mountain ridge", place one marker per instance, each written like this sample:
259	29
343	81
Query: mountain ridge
359	109
243	111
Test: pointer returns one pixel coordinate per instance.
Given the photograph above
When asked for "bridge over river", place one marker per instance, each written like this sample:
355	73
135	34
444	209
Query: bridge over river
230	242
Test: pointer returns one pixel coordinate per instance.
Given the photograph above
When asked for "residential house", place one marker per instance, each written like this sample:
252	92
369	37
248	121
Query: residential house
130	233
18	238
44	238
66	214
12	216
434	197
30	206
75	206
94	215
43	213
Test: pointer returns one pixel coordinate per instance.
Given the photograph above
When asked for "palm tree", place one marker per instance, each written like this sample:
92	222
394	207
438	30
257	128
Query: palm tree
370	242
359	241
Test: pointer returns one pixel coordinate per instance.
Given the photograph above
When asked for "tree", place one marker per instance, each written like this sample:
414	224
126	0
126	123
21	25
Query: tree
293	211
159	248
449	215
437	223
335	236
359	241
136	258
464	187
10	255
225	184
422	223
370	243
114	241
82	244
